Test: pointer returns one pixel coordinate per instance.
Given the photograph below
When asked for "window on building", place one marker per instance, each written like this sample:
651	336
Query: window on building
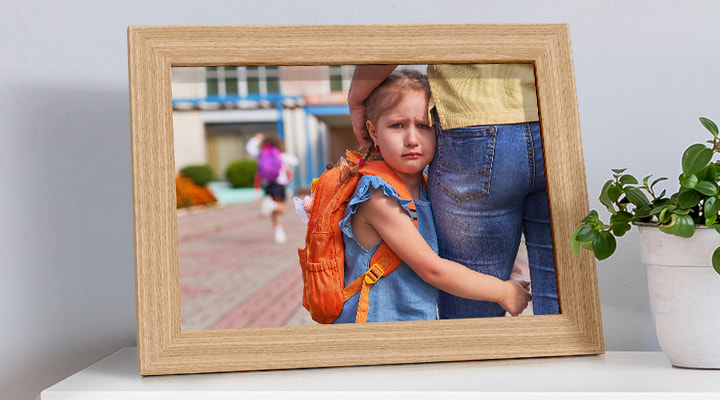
340	77
242	81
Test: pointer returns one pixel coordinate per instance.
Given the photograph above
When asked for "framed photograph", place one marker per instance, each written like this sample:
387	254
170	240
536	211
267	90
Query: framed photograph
160	57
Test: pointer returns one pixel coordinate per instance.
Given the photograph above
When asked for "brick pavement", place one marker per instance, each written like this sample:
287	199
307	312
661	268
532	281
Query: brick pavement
232	274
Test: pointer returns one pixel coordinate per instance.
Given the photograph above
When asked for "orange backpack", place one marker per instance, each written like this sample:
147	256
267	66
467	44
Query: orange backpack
322	261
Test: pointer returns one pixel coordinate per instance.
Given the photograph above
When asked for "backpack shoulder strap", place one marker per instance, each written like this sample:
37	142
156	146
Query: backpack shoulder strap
381	169
382	263
384	260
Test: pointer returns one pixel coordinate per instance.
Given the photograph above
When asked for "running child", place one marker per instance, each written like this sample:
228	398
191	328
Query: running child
273	204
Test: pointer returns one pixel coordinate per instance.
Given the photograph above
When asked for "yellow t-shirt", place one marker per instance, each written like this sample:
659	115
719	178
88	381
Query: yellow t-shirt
483	94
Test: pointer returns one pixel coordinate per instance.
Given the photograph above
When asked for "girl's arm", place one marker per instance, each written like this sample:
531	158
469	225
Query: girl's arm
364	80
391	222
253	145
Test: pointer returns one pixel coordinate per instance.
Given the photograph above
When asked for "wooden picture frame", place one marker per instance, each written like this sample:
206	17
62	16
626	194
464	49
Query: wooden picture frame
164	348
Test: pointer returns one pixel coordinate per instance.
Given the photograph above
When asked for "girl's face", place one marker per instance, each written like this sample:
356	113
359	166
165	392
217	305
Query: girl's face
404	135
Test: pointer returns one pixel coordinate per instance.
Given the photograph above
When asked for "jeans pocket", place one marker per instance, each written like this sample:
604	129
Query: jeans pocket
464	162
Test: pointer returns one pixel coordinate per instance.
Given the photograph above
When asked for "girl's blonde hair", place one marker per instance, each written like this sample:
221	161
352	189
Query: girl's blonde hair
384	97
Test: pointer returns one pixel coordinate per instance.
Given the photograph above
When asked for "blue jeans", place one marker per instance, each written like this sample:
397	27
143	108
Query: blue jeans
487	186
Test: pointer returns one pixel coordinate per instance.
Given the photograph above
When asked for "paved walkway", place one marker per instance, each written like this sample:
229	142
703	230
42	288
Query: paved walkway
232	274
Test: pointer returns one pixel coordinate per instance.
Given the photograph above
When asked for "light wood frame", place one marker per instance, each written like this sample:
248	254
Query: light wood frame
164	348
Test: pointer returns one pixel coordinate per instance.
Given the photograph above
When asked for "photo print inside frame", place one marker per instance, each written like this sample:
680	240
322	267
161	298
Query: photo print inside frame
233	271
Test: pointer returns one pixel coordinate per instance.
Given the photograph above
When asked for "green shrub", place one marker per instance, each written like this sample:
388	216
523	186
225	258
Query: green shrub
201	175
241	173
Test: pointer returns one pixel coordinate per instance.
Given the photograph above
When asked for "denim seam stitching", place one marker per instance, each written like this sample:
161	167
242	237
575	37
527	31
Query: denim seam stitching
531	157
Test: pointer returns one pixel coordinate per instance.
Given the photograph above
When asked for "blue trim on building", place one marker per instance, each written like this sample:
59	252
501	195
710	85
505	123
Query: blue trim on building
276	98
280	124
309	162
328	110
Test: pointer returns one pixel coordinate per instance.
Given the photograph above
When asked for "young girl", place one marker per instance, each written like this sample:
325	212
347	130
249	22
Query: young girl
273	204
397	123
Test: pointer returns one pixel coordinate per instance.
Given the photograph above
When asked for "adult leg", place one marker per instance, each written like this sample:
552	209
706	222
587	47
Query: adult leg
477	184
538	235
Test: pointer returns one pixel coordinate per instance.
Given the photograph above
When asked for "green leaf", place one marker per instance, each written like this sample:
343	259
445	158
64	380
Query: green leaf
711	206
664	216
621	217
707	188
711	209
656	181
708	173
646	179
605	198
586	233
695	158
688	199
618	171
604	245
591	218
712	174
643	212
680	225
620	229
628	180
659	208
716	260
710	220
574	244
620	222
614	193
637	197
709	125
683	211
688	181
662	201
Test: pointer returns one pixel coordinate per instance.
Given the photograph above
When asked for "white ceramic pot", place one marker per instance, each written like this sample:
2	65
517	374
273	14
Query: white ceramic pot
684	295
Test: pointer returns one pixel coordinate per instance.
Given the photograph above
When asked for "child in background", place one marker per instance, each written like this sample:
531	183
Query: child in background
273	204
397	123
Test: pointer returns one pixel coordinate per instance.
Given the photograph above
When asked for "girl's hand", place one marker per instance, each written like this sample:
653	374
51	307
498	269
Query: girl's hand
517	296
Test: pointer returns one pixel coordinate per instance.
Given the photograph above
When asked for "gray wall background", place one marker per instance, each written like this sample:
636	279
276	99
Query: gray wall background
645	70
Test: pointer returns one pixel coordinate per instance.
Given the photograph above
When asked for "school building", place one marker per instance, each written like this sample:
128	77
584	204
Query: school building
217	109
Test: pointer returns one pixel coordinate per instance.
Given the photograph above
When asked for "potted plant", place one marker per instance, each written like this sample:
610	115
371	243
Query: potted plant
680	244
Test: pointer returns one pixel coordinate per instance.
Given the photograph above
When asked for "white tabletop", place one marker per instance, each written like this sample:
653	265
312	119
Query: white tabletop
615	375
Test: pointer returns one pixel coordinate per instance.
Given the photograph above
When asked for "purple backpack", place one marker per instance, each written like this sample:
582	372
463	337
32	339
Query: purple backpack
269	163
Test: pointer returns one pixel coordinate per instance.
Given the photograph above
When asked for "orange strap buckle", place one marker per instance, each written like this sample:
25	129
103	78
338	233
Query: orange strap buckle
373	274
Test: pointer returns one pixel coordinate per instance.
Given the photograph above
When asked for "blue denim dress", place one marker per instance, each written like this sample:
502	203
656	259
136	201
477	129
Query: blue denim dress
401	295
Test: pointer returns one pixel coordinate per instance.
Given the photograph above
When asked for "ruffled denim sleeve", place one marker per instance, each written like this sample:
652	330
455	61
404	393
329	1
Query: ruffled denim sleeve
362	194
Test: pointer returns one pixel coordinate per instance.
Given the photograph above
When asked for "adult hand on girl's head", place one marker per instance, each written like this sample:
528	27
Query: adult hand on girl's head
357	116
365	79
518	296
